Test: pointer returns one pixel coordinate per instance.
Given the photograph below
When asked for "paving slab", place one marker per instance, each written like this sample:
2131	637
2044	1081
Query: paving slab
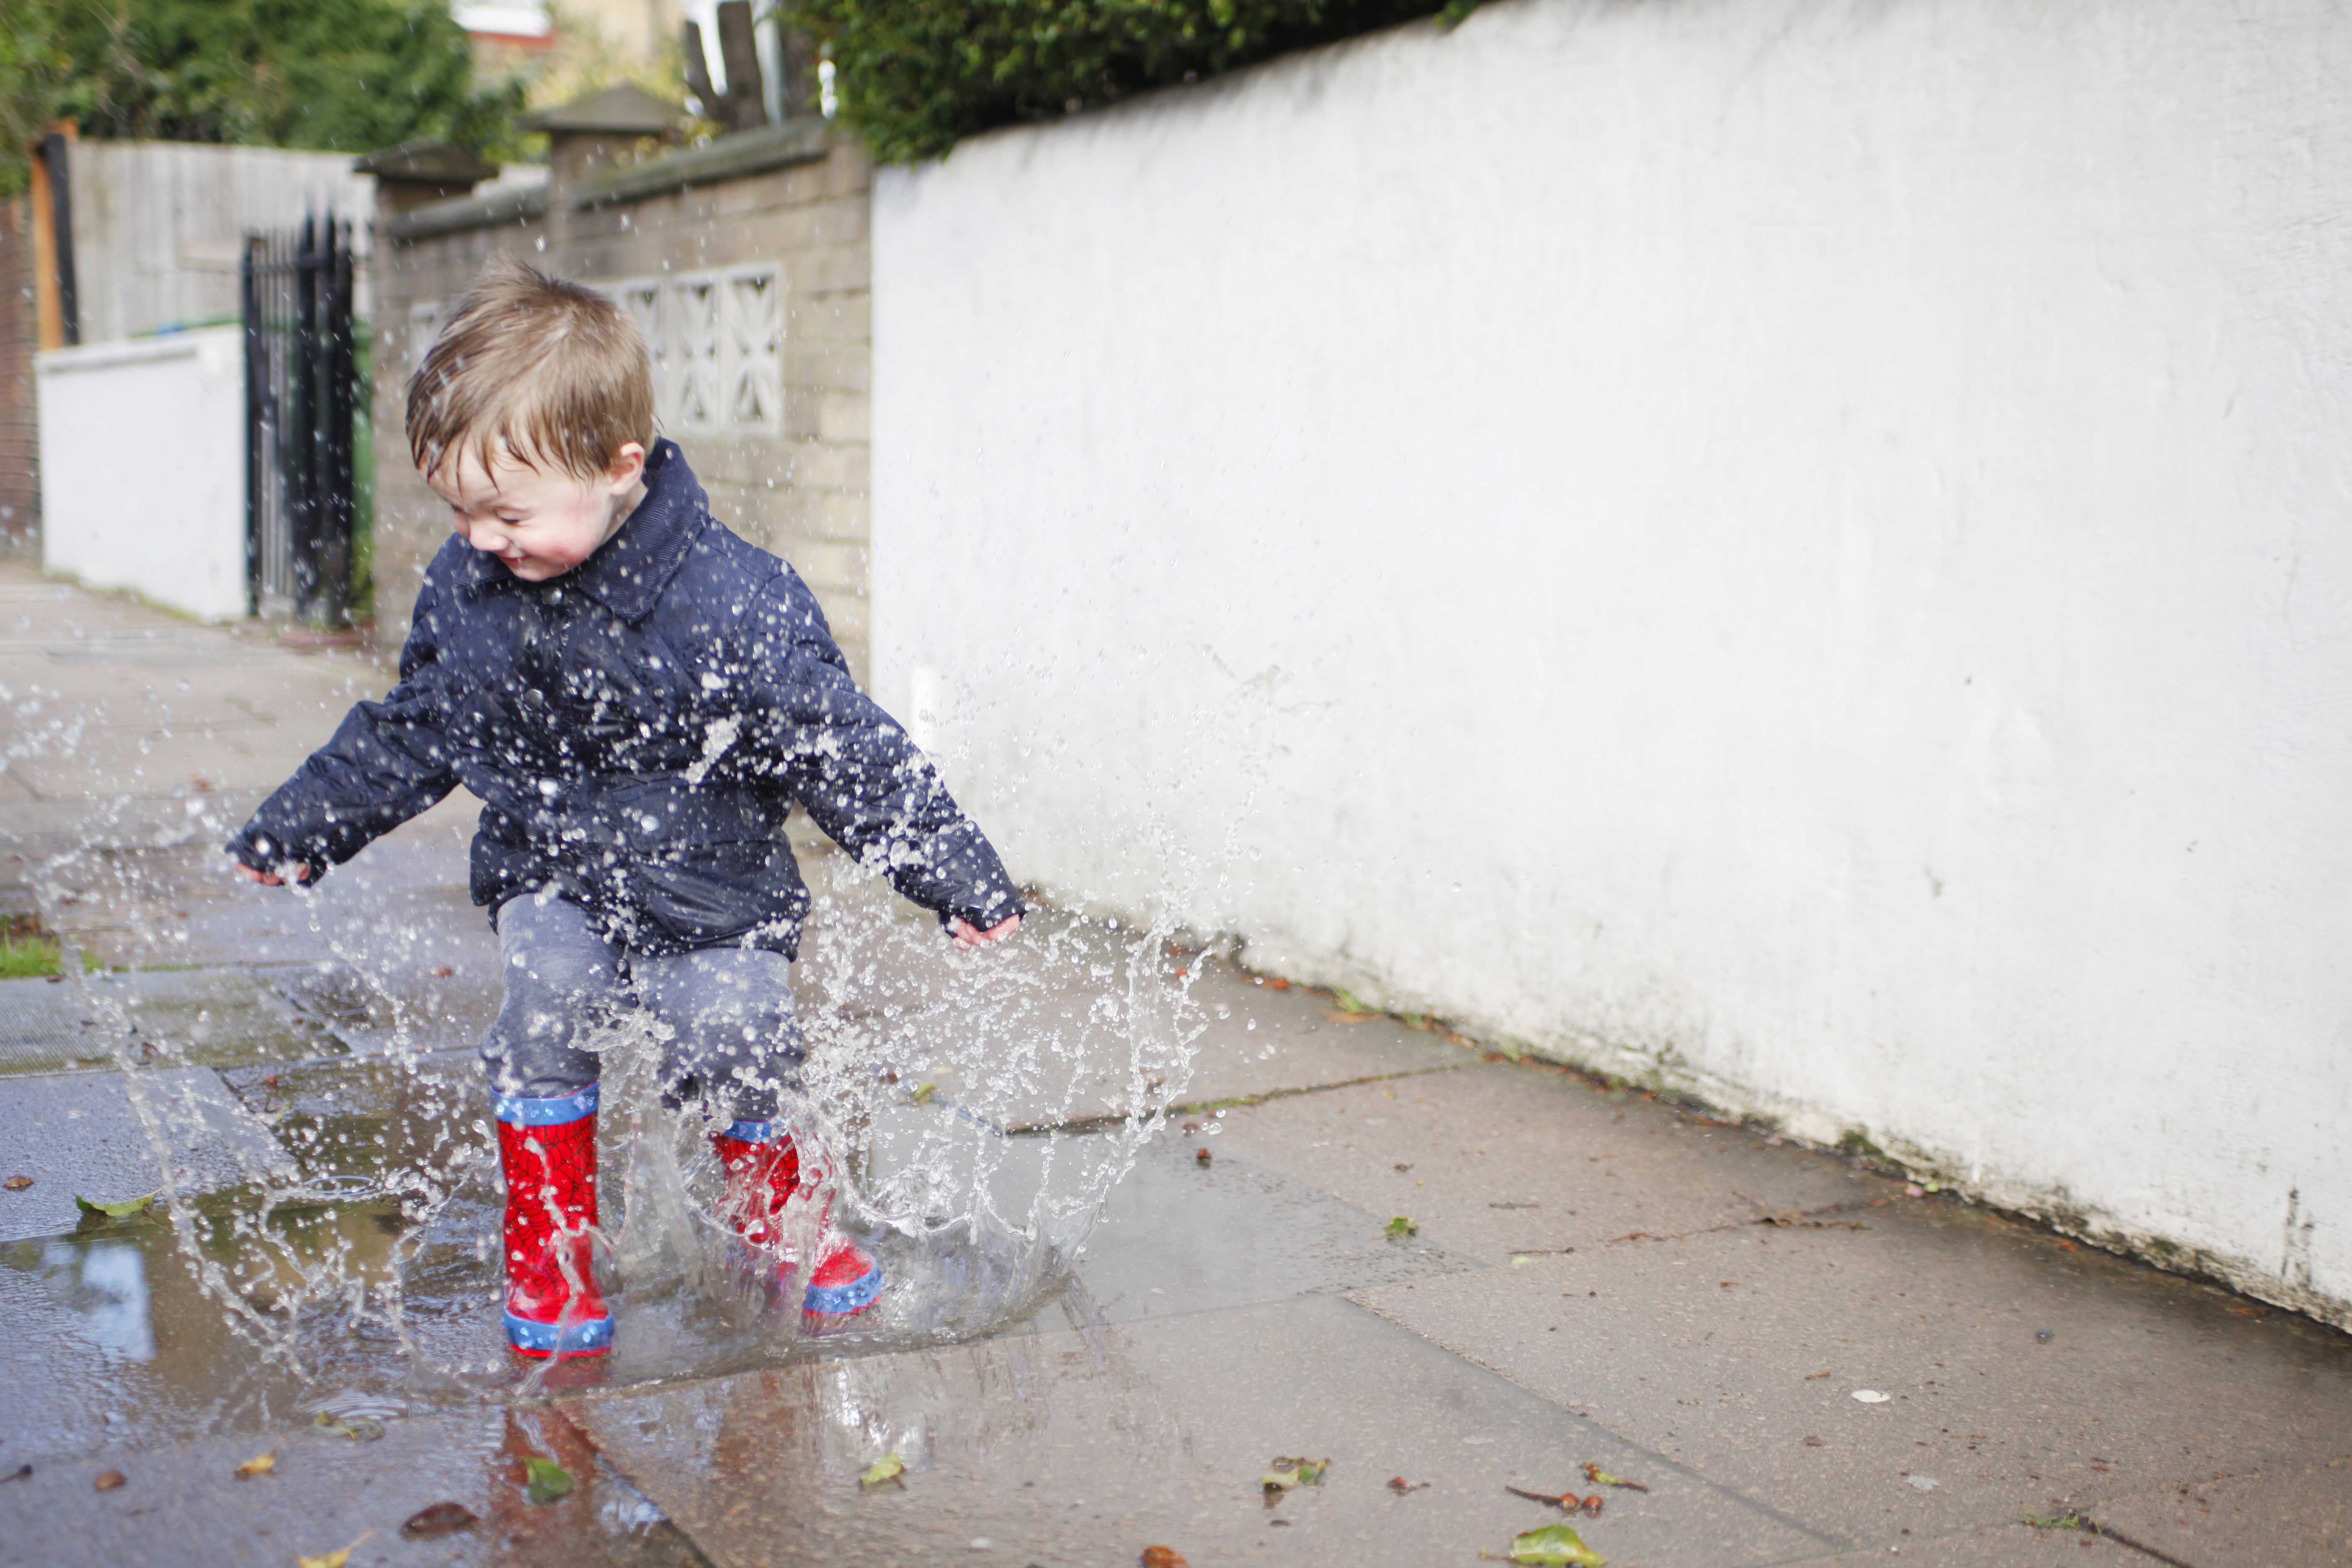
1085	1444
184	1504
206	1018
1501	1159
2273	1516
2013	1545
79	1134
1739	1354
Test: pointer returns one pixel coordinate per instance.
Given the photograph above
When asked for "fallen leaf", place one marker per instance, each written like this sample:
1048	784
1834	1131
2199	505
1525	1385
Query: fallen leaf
1600	1477
259	1465
1347	1000
924	1094
1165	1556
18	1184
889	1467
1555	1543
548	1479
1399	1486
334	1558
359	1429
110	1481
1288	1473
439	1520
123	1210
1399	1226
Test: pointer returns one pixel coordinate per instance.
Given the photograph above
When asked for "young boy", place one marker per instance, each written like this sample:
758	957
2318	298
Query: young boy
638	697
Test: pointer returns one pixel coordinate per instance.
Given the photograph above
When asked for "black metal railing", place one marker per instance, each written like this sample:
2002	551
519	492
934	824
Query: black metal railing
300	395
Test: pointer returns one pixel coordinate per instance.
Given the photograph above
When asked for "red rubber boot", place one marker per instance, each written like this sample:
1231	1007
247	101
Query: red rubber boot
764	1172
548	1149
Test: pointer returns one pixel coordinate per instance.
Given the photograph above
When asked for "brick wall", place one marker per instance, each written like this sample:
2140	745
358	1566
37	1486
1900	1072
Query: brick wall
792	197
20	435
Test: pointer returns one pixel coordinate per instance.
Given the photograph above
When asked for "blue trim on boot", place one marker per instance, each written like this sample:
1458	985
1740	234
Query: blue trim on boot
515	1111
581	1337
840	1300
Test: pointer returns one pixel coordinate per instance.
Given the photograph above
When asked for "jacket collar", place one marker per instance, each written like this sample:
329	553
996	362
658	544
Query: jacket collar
627	574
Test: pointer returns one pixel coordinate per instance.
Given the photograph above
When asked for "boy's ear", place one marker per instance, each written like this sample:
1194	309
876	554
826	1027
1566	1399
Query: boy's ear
628	466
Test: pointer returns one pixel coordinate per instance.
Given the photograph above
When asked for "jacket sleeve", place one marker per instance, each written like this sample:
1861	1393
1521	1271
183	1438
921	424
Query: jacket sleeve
819	740
388	760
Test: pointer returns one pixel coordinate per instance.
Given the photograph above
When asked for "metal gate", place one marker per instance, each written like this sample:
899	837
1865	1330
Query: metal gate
301	392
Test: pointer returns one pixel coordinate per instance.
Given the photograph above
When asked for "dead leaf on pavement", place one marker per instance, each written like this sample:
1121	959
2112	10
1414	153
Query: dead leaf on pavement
1286	1473
259	1465
1399	1227
439	1520
1399	1486
334	1558
110	1481
123	1210
1600	1477
359	1429
18	1184
1162	1557
548	1479
1556	1544
889	1467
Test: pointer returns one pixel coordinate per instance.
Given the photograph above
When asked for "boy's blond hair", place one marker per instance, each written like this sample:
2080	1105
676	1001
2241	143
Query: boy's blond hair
556	371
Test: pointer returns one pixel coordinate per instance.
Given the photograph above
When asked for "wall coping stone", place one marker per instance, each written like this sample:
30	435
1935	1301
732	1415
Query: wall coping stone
804	139
461	213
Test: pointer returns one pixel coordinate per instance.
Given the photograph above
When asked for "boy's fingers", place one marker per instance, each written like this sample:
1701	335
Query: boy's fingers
966	934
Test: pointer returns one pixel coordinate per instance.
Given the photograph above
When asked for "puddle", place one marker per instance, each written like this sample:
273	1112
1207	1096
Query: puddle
122	1335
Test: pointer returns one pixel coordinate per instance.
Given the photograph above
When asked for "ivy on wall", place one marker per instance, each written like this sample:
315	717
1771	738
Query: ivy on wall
915	76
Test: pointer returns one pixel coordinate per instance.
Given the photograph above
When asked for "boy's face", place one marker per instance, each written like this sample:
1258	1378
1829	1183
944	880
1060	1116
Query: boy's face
540	522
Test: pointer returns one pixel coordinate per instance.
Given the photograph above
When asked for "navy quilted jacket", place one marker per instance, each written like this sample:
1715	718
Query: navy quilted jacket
637	730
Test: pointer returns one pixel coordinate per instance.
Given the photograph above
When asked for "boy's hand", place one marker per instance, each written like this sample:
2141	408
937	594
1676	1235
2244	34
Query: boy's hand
968	935
272	878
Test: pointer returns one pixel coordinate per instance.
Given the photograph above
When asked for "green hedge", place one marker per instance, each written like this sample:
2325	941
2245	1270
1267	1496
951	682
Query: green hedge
348	76
915	76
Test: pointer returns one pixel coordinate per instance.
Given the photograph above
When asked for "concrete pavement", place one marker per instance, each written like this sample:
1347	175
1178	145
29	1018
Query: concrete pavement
1801	1359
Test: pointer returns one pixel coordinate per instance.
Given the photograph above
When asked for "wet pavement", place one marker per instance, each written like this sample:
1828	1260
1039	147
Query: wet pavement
1585	1275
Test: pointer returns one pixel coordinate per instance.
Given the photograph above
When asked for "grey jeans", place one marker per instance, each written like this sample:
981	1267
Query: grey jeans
732	1039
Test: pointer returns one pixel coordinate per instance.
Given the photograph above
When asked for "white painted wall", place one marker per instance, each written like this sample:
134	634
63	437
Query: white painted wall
1802	548
142	467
